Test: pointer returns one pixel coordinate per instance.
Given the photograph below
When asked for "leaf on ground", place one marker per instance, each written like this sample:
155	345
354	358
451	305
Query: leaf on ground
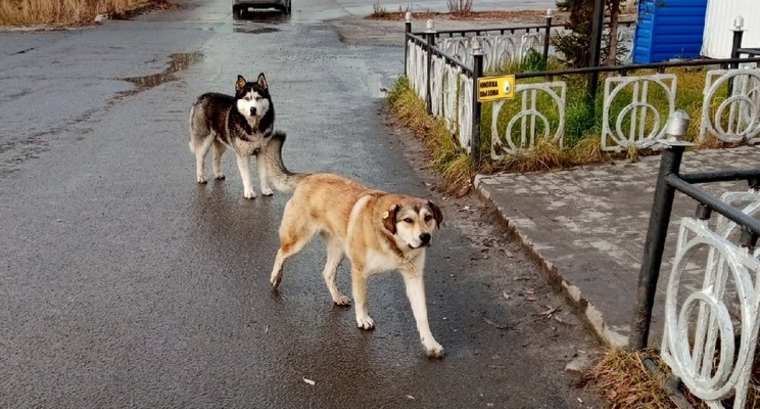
550	312
309	381
499	326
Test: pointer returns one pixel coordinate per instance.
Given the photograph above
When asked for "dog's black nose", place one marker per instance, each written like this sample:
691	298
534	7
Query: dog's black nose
253	111
425	238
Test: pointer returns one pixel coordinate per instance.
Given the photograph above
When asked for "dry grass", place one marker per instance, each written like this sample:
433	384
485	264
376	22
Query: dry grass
61	12
447	158
460	8
588	150
624	382
545	155
379	12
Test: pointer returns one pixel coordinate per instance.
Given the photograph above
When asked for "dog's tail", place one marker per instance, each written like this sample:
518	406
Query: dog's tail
282	179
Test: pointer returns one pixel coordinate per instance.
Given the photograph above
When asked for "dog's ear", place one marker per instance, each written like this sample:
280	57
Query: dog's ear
436	213
389	219
240	84
262	80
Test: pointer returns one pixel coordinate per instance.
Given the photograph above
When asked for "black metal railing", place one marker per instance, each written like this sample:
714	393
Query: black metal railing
670	180
427	40
428	45
508	30
749	51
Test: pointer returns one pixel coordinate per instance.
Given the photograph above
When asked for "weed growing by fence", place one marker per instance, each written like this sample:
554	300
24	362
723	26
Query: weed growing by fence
448	159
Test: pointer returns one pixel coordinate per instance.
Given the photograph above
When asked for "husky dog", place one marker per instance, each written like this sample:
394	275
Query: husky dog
378	231
243	122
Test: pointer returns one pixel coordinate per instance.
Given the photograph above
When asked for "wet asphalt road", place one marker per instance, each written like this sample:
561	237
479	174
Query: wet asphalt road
123	283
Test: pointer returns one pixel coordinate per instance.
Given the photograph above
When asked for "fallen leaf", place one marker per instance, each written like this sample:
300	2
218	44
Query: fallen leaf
504	293
410	397
530	298
548	313
309	381
499	326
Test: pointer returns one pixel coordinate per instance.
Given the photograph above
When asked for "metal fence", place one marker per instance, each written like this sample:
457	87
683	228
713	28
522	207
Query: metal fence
443	68
708	343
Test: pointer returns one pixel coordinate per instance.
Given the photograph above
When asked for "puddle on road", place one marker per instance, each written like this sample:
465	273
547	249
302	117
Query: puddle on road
371	81
179	62
256	30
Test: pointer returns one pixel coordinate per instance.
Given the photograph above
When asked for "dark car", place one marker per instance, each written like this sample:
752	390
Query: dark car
240	6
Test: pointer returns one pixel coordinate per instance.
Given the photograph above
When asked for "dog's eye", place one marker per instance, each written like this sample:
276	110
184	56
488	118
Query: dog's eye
428	217
408	220
258	98
247	98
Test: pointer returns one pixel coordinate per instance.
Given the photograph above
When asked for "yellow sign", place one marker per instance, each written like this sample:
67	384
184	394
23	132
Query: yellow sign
496	88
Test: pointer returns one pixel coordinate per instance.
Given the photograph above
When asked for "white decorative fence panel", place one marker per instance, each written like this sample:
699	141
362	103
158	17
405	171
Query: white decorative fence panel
436	85
417	68
646	124
465	112
450	96
498	50
699	341
736	118
528	116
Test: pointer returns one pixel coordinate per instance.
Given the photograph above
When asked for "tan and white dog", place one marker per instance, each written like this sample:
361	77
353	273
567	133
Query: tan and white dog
378	231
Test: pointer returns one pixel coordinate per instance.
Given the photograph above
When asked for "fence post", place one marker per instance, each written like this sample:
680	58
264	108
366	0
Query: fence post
737	44
407	30
477	72
547	36
670	163
430	33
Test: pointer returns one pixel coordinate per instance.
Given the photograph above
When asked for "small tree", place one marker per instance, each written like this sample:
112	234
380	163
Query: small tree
576	46
459	7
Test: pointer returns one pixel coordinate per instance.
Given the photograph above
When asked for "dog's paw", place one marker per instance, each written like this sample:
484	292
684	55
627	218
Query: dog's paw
365	323
250	195
220	176
275	280
266	191
342	301
433	350
201	179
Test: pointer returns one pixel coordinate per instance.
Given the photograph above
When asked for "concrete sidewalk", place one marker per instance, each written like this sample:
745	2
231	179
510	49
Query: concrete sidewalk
588	226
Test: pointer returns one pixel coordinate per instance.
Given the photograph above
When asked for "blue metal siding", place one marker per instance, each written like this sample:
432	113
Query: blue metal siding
669	29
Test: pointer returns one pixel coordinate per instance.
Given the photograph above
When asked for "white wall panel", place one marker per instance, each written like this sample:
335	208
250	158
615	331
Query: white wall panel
719	24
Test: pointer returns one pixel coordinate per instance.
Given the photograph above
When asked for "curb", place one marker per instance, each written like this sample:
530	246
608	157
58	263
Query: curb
590	313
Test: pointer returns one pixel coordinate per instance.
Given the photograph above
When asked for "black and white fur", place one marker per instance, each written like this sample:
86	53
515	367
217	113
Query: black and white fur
243	122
